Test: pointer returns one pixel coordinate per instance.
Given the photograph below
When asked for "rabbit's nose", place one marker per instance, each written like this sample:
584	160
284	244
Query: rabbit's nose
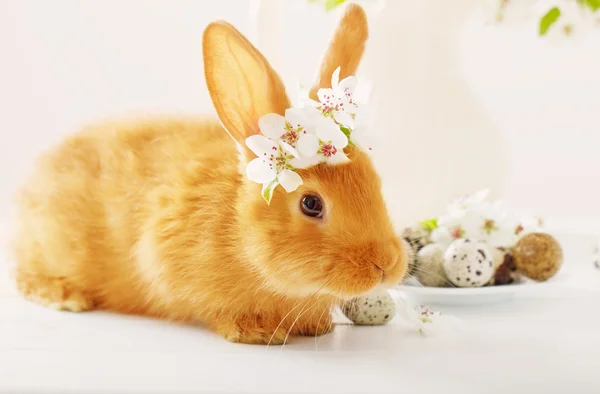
386	264
389	257
392	263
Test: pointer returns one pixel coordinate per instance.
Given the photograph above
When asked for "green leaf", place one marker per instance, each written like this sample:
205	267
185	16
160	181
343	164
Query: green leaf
548	20
593	4
429	224
267	190
346	131
331	4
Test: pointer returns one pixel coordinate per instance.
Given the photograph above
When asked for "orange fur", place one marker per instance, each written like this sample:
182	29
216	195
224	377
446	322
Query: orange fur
156	217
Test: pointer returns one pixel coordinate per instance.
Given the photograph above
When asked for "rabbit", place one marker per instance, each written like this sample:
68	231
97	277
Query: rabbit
156	217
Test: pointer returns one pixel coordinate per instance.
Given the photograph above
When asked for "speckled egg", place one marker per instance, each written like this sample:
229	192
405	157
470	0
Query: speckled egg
411	263
538	256
371	310
417	237
430	263
468	263
505	270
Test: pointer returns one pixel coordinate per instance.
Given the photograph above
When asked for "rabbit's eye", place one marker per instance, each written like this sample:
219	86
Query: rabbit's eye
312	206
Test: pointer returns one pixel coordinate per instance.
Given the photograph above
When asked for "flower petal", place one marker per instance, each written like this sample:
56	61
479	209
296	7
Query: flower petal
362	118
346	86
295	117
325	95
339	158
450	219
312	118
308	145
260	145
330	132
259	171
310	103
503	238
335	78
305	162
441	235
272	125
289	180
362	139
471	201
302	93
344	118
289	149
405	310
471	221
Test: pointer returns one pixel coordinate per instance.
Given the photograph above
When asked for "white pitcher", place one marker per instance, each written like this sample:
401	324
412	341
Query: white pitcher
439	140
544	95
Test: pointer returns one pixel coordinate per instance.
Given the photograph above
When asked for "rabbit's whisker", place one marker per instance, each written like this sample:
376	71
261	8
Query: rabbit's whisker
302	302
431	274
302	312
333	302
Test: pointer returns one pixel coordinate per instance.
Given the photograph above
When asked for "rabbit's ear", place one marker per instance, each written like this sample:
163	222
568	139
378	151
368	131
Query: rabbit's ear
242	85
345	49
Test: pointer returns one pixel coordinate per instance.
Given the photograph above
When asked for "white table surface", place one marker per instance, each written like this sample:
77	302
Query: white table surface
536	343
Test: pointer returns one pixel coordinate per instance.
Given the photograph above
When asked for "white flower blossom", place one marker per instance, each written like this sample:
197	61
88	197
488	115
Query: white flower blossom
306	136
468	201
528	225
474	218
350	94
328	142
425	320
338	101
272	167
291	129
361	136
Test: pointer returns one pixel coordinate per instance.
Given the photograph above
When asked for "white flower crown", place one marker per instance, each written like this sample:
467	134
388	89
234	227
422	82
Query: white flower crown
313	133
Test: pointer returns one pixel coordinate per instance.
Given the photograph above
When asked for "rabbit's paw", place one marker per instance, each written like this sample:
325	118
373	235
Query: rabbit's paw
255	330
316	325
56	293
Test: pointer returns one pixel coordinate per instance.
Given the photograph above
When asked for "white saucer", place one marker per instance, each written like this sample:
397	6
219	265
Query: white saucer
477	295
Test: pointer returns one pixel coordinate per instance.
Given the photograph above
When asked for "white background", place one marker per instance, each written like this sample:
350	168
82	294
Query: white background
459	107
